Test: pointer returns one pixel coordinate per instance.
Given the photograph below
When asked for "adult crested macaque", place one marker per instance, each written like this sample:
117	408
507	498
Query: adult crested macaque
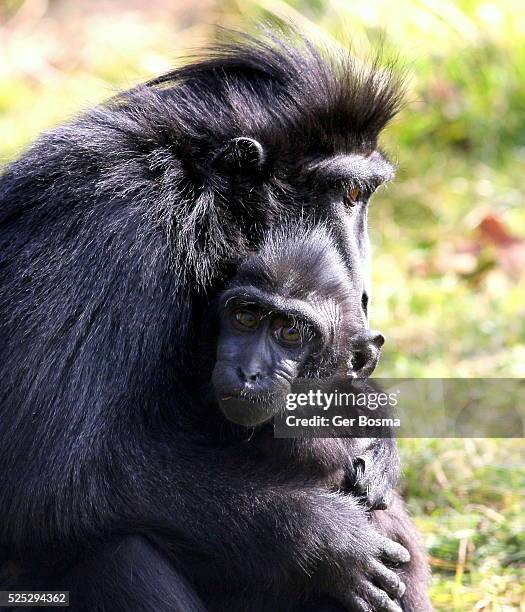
291	315
121	480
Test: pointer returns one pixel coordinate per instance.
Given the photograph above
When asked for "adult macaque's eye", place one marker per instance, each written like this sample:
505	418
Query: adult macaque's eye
246	319
353	196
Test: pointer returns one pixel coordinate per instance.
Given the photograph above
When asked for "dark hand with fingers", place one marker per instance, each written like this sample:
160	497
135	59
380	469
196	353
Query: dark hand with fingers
365	582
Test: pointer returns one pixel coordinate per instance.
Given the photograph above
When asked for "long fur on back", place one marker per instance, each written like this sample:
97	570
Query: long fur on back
117	227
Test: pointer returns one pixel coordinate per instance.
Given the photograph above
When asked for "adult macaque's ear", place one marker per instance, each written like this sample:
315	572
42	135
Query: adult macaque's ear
241	154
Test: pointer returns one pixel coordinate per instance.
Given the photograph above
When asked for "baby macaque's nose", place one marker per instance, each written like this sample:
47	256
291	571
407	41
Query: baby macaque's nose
250	374
366	350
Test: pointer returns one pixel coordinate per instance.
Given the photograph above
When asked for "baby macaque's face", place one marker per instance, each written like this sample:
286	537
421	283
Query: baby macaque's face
259	355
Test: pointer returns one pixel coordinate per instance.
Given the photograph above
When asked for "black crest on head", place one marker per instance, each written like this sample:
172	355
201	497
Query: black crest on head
283	93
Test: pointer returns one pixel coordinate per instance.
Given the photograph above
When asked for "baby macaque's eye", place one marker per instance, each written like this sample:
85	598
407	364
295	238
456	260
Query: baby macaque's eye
290	335
287	333
245	319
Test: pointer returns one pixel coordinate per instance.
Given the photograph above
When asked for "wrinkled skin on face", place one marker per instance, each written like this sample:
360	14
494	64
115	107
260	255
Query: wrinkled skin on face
260	354
293	310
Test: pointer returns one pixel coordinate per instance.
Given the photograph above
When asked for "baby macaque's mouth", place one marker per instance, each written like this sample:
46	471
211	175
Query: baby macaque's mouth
247	410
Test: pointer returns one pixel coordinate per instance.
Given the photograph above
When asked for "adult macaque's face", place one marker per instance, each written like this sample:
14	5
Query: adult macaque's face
259	355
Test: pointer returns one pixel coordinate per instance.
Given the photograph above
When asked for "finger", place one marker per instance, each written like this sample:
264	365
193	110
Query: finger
388	580
384	501
350	600
393	552
377	498
374	490
360	465
360	484
380	601
358	604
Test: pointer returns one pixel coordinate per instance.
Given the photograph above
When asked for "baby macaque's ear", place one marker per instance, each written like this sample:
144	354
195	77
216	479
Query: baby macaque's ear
243	154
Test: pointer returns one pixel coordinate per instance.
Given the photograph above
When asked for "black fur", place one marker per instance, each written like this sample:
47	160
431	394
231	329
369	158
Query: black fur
115	231
299	272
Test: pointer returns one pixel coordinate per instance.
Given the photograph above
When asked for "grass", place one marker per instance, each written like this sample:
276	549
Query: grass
446	294
466	497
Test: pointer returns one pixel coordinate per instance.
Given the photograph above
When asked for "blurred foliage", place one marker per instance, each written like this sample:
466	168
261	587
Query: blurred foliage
448	234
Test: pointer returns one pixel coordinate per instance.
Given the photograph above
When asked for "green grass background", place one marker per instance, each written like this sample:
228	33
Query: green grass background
449	299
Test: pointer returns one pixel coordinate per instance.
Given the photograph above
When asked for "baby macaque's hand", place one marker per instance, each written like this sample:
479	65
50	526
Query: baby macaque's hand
371	485
376	473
